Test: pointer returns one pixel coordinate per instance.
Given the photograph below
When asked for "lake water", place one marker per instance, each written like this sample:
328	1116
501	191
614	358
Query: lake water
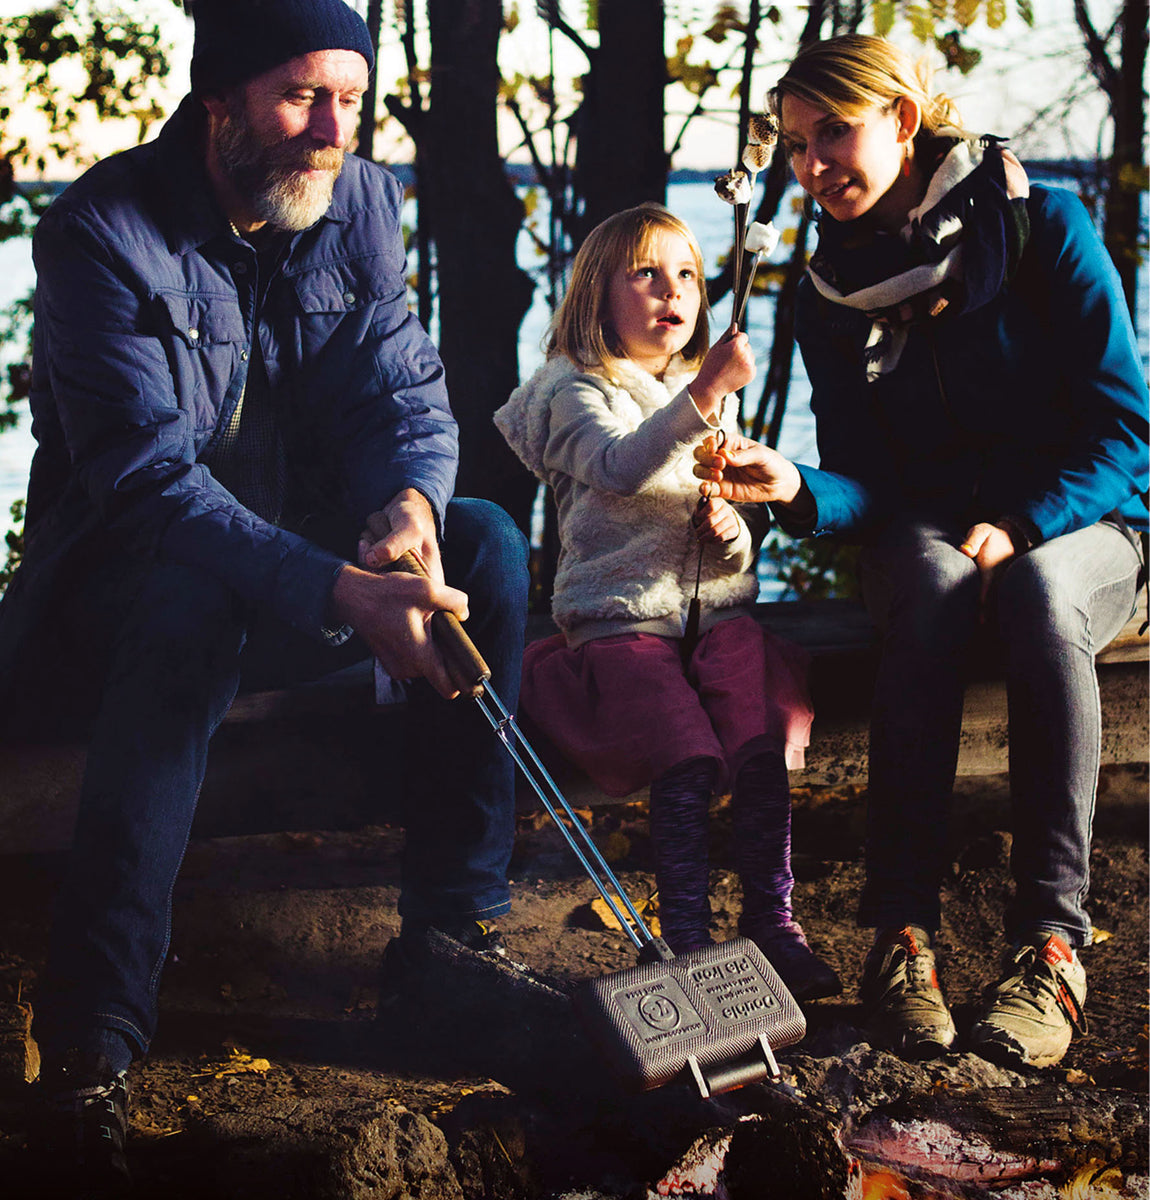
695	202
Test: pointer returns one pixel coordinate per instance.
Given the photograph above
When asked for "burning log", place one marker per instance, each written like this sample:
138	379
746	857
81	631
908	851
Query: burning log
1038	1141
1007	1132
792	1152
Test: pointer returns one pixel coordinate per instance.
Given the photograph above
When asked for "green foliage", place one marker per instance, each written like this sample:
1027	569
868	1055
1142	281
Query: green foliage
74	61
925	18
813	568
15	332
14	540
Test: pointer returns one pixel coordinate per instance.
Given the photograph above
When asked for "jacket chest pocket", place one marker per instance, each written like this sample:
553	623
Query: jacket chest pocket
207	345
333	306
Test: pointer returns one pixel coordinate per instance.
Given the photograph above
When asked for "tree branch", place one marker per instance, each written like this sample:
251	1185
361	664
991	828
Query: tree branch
1108	76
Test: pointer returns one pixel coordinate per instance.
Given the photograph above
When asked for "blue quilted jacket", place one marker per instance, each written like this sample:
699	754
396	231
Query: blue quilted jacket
1033	406
145	317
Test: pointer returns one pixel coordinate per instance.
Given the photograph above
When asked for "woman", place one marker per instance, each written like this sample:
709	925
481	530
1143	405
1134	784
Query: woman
982	429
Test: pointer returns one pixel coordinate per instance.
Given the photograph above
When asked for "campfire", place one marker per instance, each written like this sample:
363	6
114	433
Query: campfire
1016	1143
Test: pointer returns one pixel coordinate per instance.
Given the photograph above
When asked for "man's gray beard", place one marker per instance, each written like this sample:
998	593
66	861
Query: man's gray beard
276	192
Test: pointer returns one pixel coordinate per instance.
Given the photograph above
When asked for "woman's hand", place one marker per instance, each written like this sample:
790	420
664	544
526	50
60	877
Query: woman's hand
716	521
747	471
729	365
990	547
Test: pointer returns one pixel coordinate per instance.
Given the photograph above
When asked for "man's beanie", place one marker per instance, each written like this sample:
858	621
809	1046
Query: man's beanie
239	39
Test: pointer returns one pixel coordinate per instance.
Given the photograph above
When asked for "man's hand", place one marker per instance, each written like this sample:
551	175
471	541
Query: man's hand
392	613
990	547
716	521
406	522
747	471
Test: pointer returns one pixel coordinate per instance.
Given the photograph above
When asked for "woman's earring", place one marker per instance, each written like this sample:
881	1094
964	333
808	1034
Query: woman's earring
906	164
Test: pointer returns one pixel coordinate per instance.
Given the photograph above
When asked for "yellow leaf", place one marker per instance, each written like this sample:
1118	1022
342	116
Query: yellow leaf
616	847
1100	935
600	909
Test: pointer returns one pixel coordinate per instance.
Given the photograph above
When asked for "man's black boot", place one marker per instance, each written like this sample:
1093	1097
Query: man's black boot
80	1125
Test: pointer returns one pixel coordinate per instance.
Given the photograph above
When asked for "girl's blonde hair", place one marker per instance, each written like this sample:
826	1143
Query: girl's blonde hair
580	329
847	74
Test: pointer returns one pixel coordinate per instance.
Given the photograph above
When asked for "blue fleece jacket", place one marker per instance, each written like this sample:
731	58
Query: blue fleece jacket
1032	407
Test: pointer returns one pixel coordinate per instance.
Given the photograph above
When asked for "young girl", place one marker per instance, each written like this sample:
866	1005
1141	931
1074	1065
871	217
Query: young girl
610	422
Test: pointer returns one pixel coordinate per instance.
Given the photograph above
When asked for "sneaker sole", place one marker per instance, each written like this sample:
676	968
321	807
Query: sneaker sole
915	1044
1002	1050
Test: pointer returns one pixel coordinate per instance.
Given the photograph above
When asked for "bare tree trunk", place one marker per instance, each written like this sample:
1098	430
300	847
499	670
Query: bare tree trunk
777	384
1127	167
474	218
621	159
1127	177
365	146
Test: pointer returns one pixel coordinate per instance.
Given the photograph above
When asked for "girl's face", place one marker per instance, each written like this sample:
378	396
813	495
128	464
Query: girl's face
854	165
654	305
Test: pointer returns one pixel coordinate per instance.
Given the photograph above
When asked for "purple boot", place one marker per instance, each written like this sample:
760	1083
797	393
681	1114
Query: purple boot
761	810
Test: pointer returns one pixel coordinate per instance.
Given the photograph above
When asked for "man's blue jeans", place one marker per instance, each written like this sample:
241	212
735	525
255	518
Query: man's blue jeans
177	661
1053	609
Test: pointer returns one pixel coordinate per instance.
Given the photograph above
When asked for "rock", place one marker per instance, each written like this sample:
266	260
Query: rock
314	1150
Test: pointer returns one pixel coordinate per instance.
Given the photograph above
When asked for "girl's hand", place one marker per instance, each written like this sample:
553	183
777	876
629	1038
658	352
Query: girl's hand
990	547
716	521
729	366
743	470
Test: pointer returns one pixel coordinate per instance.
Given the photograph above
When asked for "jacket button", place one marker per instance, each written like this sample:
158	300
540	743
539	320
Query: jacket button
240	268
243	356
194	334
349	297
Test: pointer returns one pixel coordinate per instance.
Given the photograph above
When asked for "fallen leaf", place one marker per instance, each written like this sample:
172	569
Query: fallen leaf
616	846
238	1064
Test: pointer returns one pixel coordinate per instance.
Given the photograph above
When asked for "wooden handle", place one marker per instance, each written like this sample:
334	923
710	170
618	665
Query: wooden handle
464	662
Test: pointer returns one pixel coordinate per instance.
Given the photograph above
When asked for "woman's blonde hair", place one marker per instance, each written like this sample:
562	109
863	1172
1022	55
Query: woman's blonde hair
847	74
580	329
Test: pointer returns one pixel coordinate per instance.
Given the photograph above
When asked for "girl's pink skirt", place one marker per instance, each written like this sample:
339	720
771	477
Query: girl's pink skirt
622	708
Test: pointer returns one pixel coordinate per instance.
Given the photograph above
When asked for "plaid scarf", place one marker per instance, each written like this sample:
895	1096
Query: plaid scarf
954	254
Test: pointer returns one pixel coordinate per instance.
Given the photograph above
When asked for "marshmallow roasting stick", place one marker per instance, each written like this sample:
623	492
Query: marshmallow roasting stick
712	1015
472	677
737	188
761	239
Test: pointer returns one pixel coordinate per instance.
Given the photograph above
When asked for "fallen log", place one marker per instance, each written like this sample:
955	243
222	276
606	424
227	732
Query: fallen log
307	757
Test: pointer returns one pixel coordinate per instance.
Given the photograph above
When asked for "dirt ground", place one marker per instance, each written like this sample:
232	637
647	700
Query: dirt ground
269	1046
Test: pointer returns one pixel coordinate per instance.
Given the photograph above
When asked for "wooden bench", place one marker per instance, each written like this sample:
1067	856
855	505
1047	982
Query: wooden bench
306	758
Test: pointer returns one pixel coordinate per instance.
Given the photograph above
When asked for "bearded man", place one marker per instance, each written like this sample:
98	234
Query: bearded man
228	390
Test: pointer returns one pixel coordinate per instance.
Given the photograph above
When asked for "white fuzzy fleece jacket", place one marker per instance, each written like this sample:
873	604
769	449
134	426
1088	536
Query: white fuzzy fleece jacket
618	456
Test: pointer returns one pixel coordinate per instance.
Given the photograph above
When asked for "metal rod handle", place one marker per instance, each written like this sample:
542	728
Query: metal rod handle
471	674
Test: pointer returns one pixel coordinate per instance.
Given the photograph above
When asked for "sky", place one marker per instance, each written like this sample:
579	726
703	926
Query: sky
1024	72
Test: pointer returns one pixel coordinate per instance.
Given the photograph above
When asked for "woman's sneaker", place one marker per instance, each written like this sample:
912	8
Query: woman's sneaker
905	1009
1032	1012
806	975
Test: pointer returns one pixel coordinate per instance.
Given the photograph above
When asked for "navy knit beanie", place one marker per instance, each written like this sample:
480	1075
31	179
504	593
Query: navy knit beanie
239	39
